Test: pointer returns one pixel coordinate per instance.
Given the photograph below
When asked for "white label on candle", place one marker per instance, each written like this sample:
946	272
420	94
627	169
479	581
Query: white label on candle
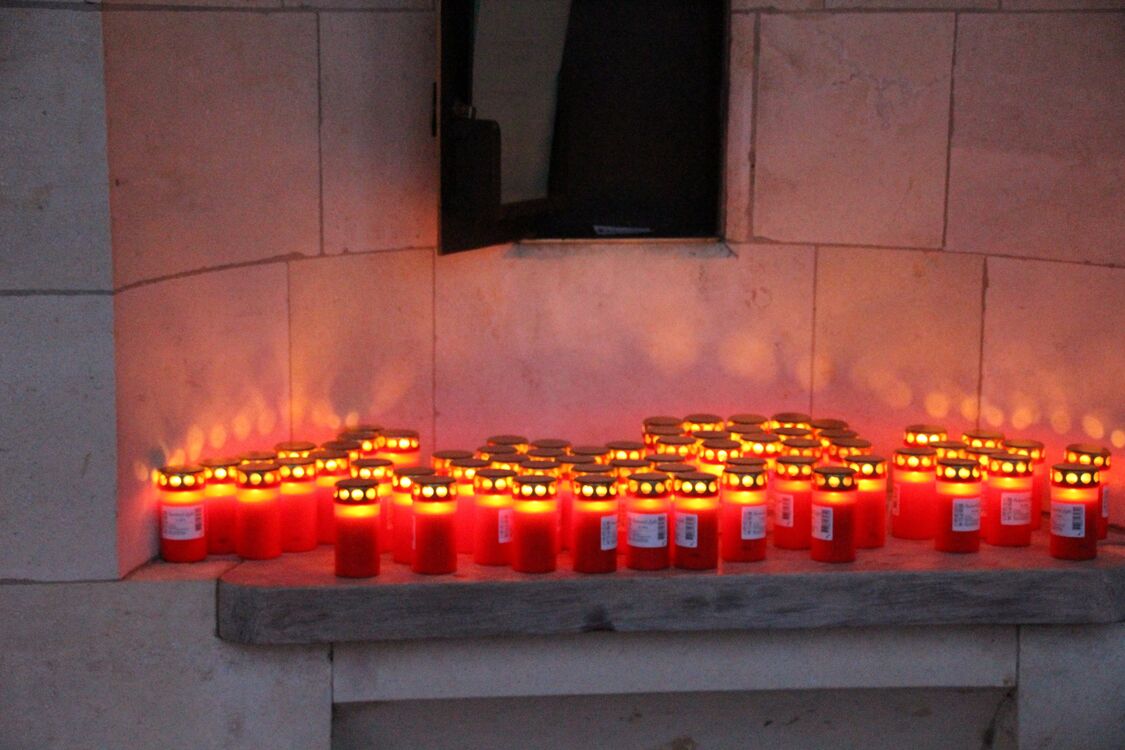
784	510
1015	508
966	514
687	530
609	532
504	525
1105	502
753	522
648	530
180	523
822	522
1068	519
895	494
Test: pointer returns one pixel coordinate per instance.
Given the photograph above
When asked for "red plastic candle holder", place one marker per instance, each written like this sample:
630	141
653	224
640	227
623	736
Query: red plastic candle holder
358	528
434	530
924	434
599	453
1040	475
982	438
677	447
297	496
463	469
492	516
183	537
696	521
747	422
593	536
802	446
440	460
381	470
784	419
791	494
294	449
714	454
219	503
654	432
552	444
840	449
331	467
833	515
257	456
827	423
703	421
400	446
1008	505
764	445
402	516
519	442
912	493
1075	509
957	508
949	449
370	439
871	500
351	448
535	524
647	521
742	522
626	449
1097	456
257	518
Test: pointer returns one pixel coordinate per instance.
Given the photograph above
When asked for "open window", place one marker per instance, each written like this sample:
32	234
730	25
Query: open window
580	119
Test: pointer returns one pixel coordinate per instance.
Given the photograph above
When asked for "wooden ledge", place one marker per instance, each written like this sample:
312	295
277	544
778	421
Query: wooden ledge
297	599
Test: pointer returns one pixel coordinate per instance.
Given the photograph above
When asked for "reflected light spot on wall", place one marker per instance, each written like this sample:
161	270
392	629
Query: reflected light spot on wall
194	442
1117	437
218	437
1060	421
140	471
176	457
351	419
992	415
241	425
748	356
937	404
897	394
267	420
1022	417
1093	427
676	348
969	408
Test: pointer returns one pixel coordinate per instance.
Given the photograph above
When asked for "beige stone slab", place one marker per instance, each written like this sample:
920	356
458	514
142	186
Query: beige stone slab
378	153
1047	374
1038	151
363	337
54	195
212	139
1072	687
584	341
57	453
607	663
853	118
132	664
202	370
913	4
897	340
740	122
783	720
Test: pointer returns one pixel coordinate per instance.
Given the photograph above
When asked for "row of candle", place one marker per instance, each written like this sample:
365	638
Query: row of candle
674	517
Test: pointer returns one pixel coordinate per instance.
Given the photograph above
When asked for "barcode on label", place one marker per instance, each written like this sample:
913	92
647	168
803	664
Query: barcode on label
966	513
822	522
895	494
754	522
1068	519
648	530
687	530
504	525
181	523
784	510
1105	502
609	533
1015	508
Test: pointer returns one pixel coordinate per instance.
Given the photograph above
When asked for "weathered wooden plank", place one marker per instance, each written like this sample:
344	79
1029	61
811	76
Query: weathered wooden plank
297	599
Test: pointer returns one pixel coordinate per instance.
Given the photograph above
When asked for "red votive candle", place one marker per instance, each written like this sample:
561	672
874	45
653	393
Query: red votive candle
802	446
833	515
543	466
1006	516
913	493
402	517
358	528
441	460
714	454
916	435
647	508
463	469
870	500
623	468
370	439
256	456
1040	475
295	449
183	536
662	420
702	422
1098	457
434	511
1075	508
747	422
696	525
219	501
655	432
257	517
840	449
827	436
400	446
551	444
957	505
762	445
677	447
546	454
535	525
791	492
492	516
982	438
381	470
949	449
784	419
821	424
742	525
625	449
351	448
519	442
331	467
597	453
571	468
297	496
593	538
